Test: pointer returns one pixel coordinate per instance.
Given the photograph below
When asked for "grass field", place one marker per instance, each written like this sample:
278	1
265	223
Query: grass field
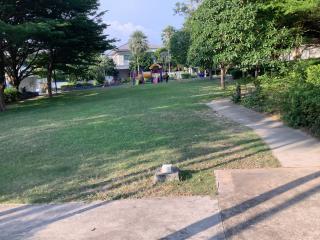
106	144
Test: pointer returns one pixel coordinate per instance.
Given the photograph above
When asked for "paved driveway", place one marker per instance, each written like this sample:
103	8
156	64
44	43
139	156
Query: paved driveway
164	218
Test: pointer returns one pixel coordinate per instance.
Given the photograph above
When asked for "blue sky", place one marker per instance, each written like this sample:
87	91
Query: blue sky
150	16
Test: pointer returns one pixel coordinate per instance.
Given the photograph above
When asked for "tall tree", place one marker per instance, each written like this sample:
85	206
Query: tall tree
220	28
138	44
105	67
162	56
166	36
236	32
5	10
179	46
20	43
145	61
75	36
2	74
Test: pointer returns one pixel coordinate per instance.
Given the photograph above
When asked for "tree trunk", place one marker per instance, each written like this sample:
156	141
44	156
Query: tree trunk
210	74
16	80
49	79
222	81
138	65
50	72
238	93
256	72
2	79
55	81
2	103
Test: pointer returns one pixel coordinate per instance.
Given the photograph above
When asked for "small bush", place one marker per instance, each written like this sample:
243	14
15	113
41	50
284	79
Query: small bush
294	93
236	74
313	75
126	80
11	95
70	86
185	75
301	107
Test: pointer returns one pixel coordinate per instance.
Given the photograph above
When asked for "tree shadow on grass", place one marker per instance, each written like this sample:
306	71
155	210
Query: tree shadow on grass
115	184
77	166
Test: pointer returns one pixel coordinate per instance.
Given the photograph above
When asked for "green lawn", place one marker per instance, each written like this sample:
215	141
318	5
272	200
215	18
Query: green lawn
106	144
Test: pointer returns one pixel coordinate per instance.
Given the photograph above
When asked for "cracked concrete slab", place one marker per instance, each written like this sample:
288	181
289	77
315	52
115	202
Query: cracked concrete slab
163	218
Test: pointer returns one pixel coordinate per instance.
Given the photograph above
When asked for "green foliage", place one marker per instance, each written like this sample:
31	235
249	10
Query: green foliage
313	75
220	29
187	7
138	44
302	16
245	34
104	67
72	86
11	95
162	56
67	36
301	107
185	75
294	92
166	36
146	59
236	74
179	46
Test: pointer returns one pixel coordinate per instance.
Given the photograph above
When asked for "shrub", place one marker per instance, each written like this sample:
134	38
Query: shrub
256	100
295	93
70	86
301	107
313	75
126	80
236	74
185	75
11	95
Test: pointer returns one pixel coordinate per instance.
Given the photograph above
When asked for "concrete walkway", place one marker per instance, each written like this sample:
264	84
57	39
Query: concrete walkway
293	148
267	204
164	218
271	203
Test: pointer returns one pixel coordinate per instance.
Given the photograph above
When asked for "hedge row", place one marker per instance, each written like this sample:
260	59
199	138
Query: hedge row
295	94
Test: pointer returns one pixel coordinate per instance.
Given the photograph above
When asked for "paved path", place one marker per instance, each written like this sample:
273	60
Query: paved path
268	204
164	218
271	203
293	148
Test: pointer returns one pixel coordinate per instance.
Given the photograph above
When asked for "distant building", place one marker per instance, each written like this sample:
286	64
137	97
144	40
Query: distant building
304	52
122	55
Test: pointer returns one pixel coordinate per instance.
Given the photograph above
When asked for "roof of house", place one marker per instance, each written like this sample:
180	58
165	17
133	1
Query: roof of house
125	48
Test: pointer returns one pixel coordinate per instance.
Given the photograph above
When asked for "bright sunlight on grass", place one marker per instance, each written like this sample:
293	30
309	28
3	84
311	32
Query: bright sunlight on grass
106	144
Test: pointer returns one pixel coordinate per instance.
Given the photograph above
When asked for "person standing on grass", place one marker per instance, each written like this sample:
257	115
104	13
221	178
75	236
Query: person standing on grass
166	77
133	78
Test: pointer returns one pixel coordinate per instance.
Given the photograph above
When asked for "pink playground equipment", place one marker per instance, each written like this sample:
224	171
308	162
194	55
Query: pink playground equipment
156	73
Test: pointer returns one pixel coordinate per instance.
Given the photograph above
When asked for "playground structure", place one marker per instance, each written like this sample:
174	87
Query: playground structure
154	76
156	73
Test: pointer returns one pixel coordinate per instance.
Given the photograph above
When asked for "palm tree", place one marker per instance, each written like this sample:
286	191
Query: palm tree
166	36
138	45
